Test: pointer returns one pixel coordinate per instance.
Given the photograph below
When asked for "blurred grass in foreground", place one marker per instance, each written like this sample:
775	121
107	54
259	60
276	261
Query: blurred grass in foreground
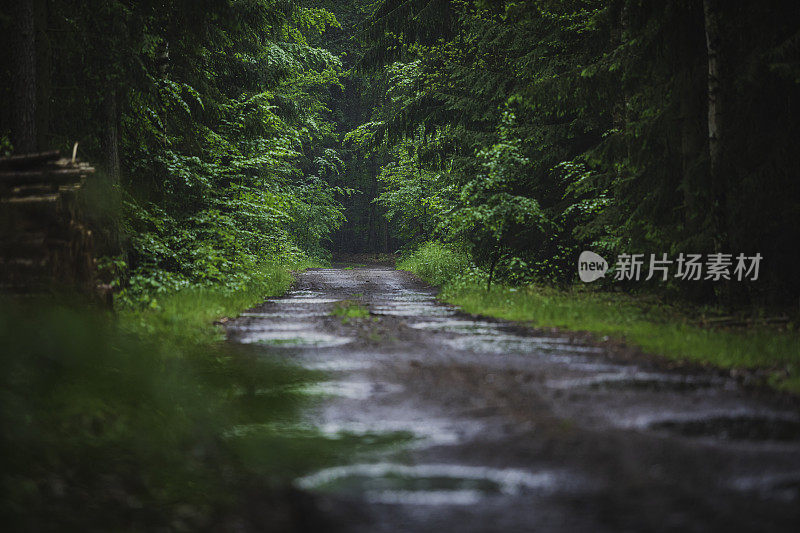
639	320
127	423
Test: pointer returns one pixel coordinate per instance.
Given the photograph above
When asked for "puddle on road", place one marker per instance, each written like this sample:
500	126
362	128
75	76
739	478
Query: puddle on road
364	431
302	301
285	314
305	294
411	310
427	432
426	484
354	390
292	339
783	486
499	344
271	326
379	440
735	427
469	327
636	381
410	296
337	365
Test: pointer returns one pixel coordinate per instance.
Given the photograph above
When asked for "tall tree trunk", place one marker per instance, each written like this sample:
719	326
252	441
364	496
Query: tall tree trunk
23	125
422	196
372	232
111	136
692	145
495	259
711	12
44	56
716	116
163	73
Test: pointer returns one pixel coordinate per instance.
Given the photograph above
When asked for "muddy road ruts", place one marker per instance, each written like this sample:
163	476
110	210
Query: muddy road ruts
500	428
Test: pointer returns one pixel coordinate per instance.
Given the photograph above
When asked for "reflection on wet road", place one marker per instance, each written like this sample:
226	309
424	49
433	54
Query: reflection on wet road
487	426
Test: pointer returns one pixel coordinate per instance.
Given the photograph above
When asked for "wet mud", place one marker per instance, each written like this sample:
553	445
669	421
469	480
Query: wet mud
488	426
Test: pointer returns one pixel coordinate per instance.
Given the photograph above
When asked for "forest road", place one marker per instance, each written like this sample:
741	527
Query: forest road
479	425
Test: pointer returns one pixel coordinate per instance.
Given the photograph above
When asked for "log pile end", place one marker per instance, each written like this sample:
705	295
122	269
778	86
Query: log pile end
44	241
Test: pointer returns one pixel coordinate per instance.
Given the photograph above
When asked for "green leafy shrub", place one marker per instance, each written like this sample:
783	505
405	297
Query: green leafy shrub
437	263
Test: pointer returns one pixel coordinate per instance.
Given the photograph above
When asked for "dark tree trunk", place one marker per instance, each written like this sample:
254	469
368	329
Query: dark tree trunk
711	12
692	145
44	56
421	196
495	259
111	136
163	73
372	230
716	117
23	125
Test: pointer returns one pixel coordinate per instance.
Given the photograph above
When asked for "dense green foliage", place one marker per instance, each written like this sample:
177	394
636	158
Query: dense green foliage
525	131
438	264
530	130
219	125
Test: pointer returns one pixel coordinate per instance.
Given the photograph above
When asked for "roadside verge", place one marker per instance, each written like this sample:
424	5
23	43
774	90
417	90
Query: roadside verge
758	355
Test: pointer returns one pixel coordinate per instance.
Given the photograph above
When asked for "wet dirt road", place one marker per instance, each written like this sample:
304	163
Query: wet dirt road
493	427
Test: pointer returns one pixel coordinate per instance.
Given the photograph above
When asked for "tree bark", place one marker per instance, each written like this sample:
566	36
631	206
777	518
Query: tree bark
372	230
692	145
163	73
23	121
711	12
716	117
44	56
111	136
495	259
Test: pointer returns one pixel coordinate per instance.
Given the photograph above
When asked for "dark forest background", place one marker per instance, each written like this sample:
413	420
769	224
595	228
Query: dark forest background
521	131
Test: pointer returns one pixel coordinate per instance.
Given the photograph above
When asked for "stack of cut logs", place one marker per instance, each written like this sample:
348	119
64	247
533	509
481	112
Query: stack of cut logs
44	243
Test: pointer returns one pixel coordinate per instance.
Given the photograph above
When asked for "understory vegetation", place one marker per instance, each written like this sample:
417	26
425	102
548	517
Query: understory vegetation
674	330
511	136
211	128
525	132
209	122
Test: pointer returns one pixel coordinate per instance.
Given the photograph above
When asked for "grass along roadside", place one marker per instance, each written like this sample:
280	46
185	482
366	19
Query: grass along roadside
186	315
640	321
